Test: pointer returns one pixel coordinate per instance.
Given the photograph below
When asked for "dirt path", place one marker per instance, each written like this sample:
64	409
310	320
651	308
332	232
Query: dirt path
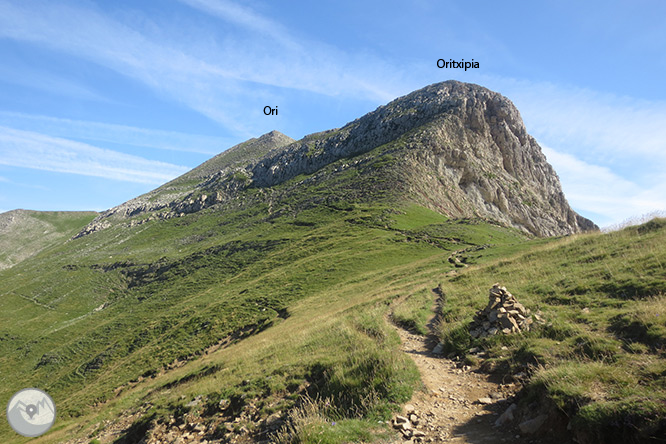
459	405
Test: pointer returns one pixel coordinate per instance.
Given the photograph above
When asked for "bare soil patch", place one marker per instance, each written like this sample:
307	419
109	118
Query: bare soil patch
459	404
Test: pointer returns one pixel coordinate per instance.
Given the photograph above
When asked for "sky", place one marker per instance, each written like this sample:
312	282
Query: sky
103	101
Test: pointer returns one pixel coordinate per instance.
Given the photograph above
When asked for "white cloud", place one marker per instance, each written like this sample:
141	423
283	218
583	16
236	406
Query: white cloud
244	17
36	151
121	134
595	125
599	190
228	77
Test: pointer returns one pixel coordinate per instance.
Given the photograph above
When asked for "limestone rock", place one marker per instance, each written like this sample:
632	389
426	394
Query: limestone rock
507	416
470	156
457	148
406	425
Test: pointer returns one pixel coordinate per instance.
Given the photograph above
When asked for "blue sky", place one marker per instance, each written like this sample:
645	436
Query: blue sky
102	101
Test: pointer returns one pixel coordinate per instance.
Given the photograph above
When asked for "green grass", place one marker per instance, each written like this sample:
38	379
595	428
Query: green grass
415	216
92	319
600	357
413	312
263	306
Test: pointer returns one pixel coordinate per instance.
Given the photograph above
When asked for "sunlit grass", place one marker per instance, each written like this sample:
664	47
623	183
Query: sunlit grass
602	296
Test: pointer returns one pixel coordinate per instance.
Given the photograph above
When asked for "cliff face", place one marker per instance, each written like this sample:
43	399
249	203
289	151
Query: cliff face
463	150
457	148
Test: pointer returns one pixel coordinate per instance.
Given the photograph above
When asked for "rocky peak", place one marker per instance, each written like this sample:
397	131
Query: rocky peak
180	196
457	148
475	106
464	152
237	156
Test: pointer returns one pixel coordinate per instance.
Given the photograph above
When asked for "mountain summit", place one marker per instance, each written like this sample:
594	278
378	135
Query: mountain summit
457	148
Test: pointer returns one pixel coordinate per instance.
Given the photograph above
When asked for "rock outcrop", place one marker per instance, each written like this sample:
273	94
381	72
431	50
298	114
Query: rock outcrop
461	149
457	148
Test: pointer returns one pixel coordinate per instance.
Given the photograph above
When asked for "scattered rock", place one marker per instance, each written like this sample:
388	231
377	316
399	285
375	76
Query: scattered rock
485	401
507	416
400	420
405	425
194	402
532	426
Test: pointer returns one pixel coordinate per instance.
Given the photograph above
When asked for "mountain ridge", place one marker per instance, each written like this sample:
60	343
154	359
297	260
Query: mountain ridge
24	233
458	148
176	194
224	319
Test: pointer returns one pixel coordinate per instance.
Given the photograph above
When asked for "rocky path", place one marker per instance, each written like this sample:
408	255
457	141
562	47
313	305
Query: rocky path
458	404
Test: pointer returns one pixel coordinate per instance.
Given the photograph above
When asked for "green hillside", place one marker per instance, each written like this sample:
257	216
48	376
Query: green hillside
24	233
256	312
252	303
90	319
600	358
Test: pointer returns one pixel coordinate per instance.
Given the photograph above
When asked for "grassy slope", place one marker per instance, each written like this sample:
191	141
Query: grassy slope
307	283
299	285
601	357
24	232
315	288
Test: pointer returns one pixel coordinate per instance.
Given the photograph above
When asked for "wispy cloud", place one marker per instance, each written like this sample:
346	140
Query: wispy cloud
27	149
246	18
597	189
596	125
120	134
228	77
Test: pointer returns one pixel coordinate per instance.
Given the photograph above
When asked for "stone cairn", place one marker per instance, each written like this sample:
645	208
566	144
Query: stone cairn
503	314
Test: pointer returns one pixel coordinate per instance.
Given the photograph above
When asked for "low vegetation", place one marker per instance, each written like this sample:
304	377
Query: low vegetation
207	305
601	356
24	233
246	315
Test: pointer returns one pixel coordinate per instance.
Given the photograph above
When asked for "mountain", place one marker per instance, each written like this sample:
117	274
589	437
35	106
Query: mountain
175	197
24	233
459	149
247	300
